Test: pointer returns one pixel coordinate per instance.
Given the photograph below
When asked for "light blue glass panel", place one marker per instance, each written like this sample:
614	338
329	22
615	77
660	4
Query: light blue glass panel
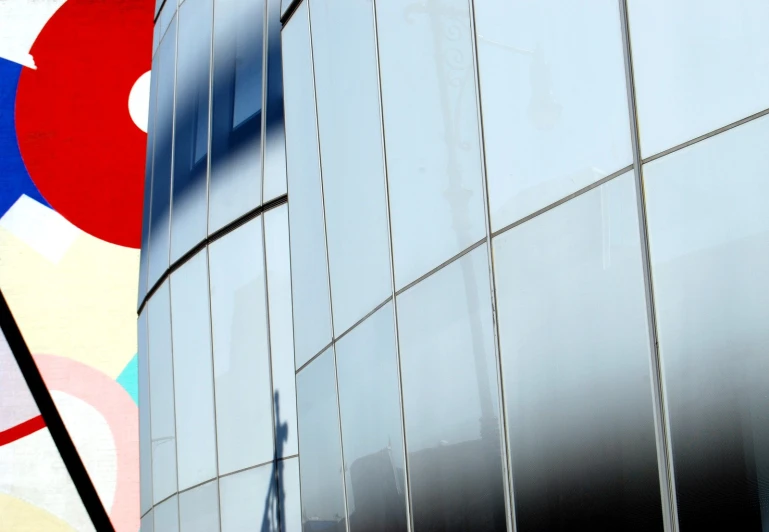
450	399
371	425
431	132
575	351
199	508
193	379
250	500
167	515
193	72
236	152
698	65
145	437
161	166
350	131
555	109
147	523
709	238
162	416
241	359
281	330
312	314
291	508
319	446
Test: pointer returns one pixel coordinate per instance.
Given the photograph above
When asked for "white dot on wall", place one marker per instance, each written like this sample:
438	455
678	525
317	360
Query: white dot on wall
139	101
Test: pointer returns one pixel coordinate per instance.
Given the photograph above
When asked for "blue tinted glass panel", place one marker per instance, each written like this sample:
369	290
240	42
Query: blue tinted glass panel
236	153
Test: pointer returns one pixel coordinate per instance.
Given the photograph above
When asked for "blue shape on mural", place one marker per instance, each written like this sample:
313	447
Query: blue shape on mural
14	178
129	379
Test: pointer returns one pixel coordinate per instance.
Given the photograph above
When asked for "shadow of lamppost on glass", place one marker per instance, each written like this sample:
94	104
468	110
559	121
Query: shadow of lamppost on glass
275	502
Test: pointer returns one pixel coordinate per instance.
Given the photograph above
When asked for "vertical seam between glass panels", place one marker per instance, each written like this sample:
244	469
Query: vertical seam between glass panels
213	381
504	440
173	393
328	269
290	273
147	202
172	148
149	413
208	258
406	473
265	88
664	456
262	141
210	126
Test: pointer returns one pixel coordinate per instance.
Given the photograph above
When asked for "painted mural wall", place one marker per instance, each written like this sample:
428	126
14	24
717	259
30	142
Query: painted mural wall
74	86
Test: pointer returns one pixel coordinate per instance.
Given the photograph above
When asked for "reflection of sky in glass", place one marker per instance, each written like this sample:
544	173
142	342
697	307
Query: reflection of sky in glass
431	130
709	220
319	446
575	353
248	70
161	394
193	379
709	247
241	359
350	129
309	274
698	65
554	100
439	340
371	421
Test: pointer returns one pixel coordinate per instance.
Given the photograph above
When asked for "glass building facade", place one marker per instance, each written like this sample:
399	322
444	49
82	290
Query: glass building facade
456	265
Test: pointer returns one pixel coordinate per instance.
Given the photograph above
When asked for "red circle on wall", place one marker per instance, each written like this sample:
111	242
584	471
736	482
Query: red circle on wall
76	136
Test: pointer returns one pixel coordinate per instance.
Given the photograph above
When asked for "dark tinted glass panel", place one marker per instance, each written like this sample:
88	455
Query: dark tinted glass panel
144	261
161	165
709	236
371	425
575	352
450	399
236	173
319	447
274	139
191	126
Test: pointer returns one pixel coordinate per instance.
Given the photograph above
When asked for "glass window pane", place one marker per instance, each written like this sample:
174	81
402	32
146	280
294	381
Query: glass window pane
291	507
431	129
687	56
236	169
575	353
162	421
249	500
167	515
312	315
193	380
350	131
241	360
191	126
450	399
144	260
199	508
709	237
554	100
147	524
281	330
319	446
371	425
145	438
161	165
274	135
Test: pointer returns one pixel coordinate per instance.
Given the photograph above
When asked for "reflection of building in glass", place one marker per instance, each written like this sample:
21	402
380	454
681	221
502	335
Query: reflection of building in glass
520	286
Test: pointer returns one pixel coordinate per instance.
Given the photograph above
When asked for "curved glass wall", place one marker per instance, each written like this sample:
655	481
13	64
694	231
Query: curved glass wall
501	267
